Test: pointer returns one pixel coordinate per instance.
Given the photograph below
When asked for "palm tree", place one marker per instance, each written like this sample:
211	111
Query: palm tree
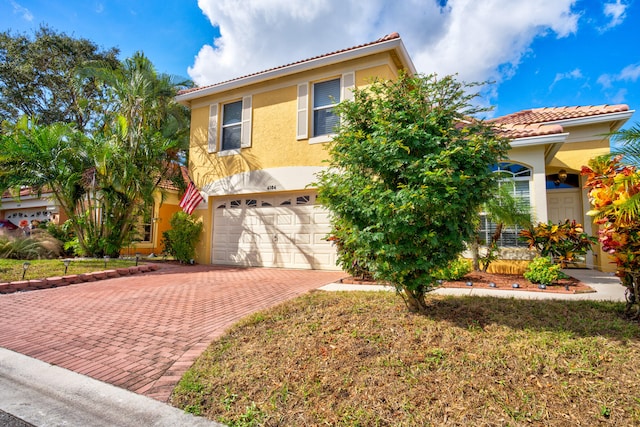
504	210
140	143
104	181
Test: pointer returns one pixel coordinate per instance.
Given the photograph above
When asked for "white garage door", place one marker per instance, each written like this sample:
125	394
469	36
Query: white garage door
272	231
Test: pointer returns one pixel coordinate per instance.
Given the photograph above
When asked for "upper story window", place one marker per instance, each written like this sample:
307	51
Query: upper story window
326	95
231	126
316	102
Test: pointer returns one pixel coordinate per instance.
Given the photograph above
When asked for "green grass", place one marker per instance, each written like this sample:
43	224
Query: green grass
11	270
361	359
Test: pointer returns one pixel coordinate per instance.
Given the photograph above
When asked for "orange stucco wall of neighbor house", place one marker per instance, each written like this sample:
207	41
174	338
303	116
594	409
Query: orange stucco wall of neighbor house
163	211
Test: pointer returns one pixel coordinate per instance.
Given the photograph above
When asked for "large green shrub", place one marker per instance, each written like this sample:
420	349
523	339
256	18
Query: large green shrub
181	240
408	169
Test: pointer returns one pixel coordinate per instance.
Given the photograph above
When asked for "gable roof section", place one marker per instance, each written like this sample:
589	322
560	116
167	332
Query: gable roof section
391	42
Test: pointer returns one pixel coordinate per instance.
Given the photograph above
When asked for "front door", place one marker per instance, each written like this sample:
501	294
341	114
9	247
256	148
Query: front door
564	204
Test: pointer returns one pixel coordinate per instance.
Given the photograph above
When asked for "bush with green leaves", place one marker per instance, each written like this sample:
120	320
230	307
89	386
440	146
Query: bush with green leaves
181	240
544	271
408	170
64	233
456	270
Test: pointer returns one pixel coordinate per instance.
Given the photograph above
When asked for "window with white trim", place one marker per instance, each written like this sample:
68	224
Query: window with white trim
315	106
326	95
230	125
517	179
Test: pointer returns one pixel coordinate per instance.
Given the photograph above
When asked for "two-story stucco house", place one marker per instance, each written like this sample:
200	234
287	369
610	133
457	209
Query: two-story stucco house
257	142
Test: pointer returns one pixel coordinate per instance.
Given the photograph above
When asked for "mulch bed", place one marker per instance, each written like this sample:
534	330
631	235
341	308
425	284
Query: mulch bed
503	282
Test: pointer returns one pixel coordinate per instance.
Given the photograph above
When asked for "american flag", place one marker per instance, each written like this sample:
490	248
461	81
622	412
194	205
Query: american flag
191	199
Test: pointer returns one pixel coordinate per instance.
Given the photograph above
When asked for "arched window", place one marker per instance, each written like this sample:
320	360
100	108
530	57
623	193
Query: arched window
516	178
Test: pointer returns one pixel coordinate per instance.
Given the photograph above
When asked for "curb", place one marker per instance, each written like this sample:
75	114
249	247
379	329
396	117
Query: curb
56	281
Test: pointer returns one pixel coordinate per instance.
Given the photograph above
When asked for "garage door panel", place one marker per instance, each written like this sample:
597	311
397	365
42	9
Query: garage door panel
268	233
303	218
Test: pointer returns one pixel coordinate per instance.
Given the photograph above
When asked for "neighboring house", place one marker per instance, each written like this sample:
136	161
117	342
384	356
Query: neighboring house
549	146
42	209
31	208
258	141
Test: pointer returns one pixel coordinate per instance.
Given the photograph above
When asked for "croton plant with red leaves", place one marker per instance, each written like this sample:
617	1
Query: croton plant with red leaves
614	193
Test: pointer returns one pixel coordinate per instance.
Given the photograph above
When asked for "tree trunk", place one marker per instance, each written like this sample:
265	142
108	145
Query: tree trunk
475	253
414	300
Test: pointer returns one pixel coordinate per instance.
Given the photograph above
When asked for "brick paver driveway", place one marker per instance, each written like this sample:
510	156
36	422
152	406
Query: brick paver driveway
143	332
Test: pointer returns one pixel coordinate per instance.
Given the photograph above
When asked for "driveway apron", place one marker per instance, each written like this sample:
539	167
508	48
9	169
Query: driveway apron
143	332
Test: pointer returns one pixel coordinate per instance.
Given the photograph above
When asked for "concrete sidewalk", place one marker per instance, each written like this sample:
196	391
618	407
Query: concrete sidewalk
606	285
45	395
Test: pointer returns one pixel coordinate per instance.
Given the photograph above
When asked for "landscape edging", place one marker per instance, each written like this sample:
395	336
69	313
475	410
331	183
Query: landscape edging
71	279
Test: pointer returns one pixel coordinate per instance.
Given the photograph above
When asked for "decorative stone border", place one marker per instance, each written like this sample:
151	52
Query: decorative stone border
54	282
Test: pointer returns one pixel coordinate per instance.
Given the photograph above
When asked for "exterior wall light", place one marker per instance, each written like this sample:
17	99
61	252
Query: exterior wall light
562	175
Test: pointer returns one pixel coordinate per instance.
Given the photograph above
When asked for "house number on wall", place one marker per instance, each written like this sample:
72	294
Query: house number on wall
271	187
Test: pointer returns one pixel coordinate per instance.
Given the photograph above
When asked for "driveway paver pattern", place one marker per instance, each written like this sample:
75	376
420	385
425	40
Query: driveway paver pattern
143	332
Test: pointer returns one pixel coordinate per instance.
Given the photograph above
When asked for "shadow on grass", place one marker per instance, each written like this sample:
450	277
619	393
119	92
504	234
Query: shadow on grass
582	318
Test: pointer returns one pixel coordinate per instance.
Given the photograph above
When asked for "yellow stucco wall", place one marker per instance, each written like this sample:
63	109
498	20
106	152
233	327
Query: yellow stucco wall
273	125
274	114
574	155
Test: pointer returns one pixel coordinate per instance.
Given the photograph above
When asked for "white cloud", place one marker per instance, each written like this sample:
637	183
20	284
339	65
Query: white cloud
479	40
21	10
575	74
619	97
630	73
615	12
609	82
606	81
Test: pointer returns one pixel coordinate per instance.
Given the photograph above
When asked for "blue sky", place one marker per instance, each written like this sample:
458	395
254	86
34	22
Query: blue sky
539	52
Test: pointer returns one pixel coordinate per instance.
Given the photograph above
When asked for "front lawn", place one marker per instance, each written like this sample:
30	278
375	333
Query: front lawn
361	359
11	270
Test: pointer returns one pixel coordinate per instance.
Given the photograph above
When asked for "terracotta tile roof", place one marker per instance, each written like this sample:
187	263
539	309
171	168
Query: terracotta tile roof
553	114
27	191
529	130
540	121
388	37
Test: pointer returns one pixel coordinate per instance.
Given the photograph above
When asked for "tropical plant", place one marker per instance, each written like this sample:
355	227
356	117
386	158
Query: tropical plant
565	242
614	193
180	241
39	244
407	169
544	271
106	180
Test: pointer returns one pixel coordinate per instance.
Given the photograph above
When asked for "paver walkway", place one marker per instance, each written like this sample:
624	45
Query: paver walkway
143	332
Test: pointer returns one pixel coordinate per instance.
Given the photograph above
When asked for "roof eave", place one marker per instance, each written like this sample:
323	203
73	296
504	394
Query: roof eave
618	119
539	140
553	143
395	44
